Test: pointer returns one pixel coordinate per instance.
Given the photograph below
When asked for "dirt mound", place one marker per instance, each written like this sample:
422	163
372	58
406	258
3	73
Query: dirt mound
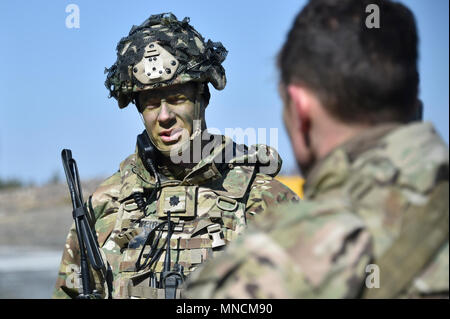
38	216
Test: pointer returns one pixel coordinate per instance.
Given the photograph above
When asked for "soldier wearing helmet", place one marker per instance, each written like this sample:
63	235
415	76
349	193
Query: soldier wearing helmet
170	206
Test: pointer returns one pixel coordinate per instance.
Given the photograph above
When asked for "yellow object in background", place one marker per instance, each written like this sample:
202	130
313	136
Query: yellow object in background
293	182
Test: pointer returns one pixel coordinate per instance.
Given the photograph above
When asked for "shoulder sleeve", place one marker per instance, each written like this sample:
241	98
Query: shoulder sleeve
306	250
106	195
266	192
102	207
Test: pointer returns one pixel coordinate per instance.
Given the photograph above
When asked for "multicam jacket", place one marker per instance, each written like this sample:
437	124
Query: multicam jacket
373	223
210	206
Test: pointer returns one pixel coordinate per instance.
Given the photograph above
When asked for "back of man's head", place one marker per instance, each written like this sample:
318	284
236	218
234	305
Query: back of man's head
360	74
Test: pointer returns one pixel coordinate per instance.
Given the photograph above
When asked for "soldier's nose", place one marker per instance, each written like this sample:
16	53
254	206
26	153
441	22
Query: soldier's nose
165	115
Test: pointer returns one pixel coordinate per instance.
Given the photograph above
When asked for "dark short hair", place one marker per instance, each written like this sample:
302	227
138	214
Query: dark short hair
359	74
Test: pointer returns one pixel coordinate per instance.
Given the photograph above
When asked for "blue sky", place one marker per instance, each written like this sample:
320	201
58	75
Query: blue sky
53	96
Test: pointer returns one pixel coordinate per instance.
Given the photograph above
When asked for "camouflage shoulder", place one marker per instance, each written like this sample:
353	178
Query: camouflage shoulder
265	158
433	281
108	191
306	250
267	192
420	155
128	163
269	160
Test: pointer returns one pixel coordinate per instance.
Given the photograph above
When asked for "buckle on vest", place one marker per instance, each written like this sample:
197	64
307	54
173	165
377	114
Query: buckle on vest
228	200
215	232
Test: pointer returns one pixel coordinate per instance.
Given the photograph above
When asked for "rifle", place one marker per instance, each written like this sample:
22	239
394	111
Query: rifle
86	239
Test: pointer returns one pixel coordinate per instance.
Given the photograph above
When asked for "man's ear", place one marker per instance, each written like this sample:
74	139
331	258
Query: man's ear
301	103
135	101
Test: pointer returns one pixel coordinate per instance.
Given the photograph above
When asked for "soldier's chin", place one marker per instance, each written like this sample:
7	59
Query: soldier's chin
166	148
170	144
176	146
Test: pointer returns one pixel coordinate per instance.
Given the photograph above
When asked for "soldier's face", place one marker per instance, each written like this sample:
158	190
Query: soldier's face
168	114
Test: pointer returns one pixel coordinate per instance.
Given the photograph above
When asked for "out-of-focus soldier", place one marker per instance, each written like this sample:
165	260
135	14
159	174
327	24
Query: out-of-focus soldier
374	222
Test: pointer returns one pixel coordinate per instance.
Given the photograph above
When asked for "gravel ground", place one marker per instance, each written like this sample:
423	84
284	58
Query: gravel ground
34	223
38	216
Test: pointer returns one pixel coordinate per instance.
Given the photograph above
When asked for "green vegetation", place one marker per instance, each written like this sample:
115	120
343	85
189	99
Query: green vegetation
54	179
10	183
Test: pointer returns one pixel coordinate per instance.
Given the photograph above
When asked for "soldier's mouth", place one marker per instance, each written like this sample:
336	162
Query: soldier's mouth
171	135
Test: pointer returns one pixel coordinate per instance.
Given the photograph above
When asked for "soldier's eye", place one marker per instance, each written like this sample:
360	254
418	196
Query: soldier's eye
179	99
152	104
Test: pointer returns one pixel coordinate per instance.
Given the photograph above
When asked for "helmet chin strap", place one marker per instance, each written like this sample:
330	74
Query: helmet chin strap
196	125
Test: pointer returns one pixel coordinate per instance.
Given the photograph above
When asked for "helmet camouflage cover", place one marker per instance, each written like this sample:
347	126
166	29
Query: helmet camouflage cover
163	51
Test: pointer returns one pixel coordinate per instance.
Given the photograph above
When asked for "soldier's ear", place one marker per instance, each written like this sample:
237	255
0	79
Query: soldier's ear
205	95
135	101
301	104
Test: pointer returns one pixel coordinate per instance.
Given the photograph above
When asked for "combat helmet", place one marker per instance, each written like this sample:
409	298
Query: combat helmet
160	52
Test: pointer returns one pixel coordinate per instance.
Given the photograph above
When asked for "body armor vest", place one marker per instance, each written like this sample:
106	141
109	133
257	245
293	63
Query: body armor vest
203	219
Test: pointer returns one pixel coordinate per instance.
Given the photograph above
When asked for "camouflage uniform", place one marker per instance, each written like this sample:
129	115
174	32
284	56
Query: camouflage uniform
367	202
196	209
219	199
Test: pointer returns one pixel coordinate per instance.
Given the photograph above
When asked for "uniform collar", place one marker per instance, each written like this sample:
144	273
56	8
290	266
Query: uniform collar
333	169
206	169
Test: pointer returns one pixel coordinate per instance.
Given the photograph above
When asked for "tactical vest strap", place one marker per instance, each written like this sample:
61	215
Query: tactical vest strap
143	290
424	232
